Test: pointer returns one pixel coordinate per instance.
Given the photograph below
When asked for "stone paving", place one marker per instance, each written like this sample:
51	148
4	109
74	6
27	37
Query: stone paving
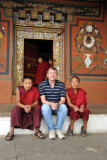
29	147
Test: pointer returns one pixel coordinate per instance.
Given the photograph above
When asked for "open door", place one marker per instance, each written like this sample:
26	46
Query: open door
34	48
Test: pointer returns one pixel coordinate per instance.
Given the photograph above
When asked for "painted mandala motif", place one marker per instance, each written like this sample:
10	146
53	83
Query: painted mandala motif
88	39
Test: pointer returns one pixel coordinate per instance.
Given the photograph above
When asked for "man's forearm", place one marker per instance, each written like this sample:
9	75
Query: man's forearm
61	102
47	102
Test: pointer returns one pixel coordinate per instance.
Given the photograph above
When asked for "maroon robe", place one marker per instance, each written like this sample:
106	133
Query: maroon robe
41	72
51	66
78	99
21	119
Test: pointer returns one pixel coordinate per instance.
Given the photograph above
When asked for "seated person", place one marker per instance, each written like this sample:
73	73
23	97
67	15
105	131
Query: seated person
52	93
76	100
27	113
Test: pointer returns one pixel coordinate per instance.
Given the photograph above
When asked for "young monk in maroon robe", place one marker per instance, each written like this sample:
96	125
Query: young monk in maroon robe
50	63
42	68
76	100
27	113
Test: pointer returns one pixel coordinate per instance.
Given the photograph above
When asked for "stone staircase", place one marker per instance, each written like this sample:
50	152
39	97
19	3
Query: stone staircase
97	121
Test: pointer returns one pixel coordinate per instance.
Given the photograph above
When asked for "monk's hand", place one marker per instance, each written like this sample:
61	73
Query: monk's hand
76	109
81	109
26	109
29	108
54	106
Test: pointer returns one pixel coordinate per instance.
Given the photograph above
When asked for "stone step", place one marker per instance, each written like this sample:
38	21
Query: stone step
96	124
97	121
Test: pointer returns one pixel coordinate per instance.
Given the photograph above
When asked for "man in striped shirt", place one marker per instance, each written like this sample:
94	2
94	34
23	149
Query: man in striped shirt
52	93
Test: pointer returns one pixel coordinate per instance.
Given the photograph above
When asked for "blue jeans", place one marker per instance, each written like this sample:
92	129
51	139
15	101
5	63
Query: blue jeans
61	113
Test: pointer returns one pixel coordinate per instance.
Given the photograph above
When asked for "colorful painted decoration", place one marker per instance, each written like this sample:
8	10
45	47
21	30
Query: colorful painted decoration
1	40
1	35
88	39
88	42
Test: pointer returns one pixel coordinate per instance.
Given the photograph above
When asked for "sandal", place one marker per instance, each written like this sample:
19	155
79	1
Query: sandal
70	132
83	132
9	137
40	135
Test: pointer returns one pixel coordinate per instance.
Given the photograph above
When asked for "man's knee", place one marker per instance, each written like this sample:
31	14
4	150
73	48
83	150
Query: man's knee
63	108
45	108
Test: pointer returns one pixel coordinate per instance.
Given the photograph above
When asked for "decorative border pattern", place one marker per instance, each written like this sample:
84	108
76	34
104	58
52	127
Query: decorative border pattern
36	33
38	24
52	7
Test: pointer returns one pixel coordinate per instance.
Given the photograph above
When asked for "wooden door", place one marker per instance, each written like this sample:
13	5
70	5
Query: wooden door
31	53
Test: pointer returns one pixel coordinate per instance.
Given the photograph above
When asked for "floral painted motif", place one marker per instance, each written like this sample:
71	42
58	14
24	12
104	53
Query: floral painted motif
88	39
89	28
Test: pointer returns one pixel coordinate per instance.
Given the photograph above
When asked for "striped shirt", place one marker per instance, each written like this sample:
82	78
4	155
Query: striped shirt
52	94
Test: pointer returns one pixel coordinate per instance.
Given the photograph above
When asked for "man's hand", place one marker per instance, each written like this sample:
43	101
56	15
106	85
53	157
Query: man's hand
54	106
76	109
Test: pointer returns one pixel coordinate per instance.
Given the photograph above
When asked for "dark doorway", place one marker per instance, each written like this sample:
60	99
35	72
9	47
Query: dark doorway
34	48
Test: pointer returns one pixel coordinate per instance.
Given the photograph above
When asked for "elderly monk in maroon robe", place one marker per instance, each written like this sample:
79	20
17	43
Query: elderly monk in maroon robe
76	100
42	68
27	113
